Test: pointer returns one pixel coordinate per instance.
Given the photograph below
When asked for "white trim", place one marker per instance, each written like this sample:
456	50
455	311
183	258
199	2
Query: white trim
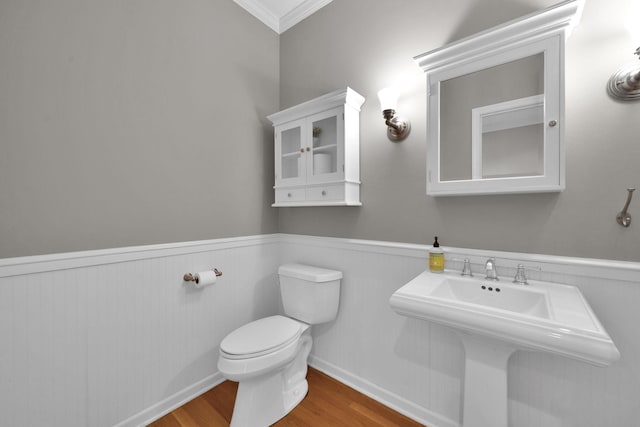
313	203
509	114
300	12
258	10
62	261
281	23
391	400
496	117
507	261
582	267
558	18
172	402
322	103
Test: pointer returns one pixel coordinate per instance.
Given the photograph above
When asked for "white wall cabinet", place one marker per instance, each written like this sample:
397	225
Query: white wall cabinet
317	151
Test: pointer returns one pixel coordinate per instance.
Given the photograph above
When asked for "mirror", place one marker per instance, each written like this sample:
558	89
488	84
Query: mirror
507	139
495	107
489	133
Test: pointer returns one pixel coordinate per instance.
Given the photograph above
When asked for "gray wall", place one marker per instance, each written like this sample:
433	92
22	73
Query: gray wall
133	122
113	118
369	44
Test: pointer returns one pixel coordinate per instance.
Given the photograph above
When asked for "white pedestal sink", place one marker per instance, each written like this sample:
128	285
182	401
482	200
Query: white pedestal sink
494	319
485	381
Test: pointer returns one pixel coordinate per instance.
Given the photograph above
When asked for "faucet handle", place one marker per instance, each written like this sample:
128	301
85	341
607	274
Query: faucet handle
466	269
520	277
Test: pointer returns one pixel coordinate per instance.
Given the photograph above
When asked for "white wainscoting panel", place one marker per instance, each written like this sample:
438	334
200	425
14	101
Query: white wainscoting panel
368	346
418	367
116	337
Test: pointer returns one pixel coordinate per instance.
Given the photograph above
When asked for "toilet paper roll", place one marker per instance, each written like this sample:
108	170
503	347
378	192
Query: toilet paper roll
321	164
205	278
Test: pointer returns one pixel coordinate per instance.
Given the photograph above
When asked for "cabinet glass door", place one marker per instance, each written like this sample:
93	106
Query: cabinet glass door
290	157
326	148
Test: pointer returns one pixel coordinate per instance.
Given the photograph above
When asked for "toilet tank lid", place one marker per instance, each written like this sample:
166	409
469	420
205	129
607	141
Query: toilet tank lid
309	273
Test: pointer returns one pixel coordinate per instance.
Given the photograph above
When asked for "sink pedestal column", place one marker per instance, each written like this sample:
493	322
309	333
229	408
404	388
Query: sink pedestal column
485	381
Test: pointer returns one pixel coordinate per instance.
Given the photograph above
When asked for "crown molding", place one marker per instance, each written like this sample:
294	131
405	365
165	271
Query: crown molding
258	9
325	102
559	18
282	23
300	12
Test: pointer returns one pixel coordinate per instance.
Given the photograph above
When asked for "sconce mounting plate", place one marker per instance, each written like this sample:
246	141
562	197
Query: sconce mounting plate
625	83
397	127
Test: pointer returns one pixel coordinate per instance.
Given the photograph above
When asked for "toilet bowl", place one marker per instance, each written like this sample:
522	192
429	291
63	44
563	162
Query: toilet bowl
268	357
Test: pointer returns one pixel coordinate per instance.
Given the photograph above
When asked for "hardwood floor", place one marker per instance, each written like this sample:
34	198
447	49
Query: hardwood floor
328	403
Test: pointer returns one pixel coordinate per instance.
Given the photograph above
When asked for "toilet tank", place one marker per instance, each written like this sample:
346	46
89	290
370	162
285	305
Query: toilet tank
309	294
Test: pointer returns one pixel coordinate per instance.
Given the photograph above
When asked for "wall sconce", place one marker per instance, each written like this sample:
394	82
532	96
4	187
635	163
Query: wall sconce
397	128
625	83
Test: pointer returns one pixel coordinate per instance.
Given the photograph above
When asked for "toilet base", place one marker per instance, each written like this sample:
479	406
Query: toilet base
260	406
263	400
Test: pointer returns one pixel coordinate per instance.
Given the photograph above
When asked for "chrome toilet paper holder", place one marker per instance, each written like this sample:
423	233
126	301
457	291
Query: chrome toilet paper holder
188	277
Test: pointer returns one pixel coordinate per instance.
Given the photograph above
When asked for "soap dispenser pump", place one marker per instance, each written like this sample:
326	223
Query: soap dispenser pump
436	258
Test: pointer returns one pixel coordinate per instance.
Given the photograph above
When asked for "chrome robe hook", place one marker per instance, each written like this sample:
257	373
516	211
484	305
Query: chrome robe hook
624	217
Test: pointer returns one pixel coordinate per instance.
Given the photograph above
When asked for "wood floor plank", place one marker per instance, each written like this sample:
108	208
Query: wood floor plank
329	403
374	418
201	413
222	398
167	421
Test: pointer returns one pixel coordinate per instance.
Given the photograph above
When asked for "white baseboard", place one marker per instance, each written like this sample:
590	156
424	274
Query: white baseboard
173	402
393	401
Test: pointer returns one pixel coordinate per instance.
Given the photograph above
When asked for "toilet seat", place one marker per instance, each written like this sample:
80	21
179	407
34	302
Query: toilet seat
261	337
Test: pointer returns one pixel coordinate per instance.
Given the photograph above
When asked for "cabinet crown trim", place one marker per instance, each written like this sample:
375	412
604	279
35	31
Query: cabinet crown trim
559	18
334	99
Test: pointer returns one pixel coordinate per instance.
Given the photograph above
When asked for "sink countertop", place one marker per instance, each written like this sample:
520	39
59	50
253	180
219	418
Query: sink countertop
567	326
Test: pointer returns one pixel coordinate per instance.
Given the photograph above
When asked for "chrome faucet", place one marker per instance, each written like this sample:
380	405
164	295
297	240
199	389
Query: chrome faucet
490	267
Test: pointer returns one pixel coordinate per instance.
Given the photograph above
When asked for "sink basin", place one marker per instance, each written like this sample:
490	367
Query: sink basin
493	295
542	315
495	318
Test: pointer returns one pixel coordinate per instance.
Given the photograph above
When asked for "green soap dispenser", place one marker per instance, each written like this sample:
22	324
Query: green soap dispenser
436	258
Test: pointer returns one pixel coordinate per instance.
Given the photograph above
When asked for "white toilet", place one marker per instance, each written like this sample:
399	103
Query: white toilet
268	357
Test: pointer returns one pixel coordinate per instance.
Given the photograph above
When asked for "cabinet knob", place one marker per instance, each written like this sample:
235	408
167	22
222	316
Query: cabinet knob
288	194
302	150
308	149
324	193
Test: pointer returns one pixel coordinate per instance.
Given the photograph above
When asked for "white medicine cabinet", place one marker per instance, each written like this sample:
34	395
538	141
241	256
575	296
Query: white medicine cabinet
317	151
495	107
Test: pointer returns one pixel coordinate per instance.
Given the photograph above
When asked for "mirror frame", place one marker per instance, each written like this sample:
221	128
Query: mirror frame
540	32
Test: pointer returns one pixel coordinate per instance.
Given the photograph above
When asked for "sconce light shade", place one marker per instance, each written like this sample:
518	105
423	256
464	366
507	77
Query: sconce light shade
388	99
397	128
